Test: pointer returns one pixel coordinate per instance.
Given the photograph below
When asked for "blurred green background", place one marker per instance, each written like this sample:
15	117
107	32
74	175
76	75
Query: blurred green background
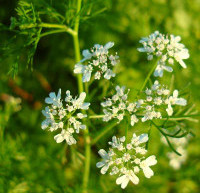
30	160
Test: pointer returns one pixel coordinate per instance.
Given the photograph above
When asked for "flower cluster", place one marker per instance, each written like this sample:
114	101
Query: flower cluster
151	107
115	107
127	159
166	48
175	161
99	63
158	99
67	118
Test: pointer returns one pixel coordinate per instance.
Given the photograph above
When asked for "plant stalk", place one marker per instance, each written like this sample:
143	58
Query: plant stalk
86	173
148	76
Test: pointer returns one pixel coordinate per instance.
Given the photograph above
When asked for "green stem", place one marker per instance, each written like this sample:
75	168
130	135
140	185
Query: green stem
103	132
52	32
96	116
176	118
166	137
49	25
86	173
126	129
148	76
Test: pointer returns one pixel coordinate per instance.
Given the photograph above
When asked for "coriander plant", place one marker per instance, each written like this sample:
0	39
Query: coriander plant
155	105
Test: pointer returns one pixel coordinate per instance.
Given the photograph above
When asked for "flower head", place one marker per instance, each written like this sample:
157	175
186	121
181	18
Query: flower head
166	48
127	159
99	63
65	117
115	107
158	101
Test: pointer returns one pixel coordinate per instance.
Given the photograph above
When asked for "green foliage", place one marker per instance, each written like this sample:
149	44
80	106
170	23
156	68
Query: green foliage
30	161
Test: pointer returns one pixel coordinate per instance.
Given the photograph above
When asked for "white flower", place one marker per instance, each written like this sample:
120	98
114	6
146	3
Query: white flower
145	165
159	69
53	99
174	100
104	165
166	49
65	117
124	180
134	120
65	135
126	160
115	107
158	98
99	63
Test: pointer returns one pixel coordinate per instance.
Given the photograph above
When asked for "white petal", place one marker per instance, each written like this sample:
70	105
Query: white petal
182	64
44	124
141	49
59	138
82	96
181	102
86	54
78	68
100	164
103	153
143	138
52	94
125	183
48	100
104	169
109	73
158	72
109	45
86	76
59	94
175	93
169	110
168	68
120	179
148	172
85	106
151	160
134	178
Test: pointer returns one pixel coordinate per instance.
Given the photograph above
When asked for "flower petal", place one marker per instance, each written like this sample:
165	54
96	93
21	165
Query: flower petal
151	160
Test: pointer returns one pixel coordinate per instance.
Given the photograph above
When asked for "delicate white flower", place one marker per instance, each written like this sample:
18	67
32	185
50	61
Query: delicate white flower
145	166
134	120
66	117
160	68
126	160
53	99
65	135
174	100
116	106
104	165
124	180
158	98
166	48
99	63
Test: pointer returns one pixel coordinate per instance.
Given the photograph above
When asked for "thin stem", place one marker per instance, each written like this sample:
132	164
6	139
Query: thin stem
148	76
49	25
86	173
96	116
166	137
52	32
103	132
126	129
176	118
